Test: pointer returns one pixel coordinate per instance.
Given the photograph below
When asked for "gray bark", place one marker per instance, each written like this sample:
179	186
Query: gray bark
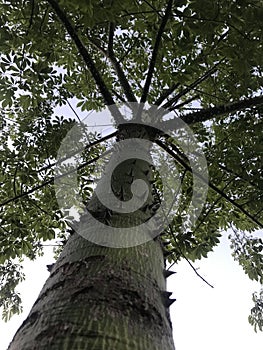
101	298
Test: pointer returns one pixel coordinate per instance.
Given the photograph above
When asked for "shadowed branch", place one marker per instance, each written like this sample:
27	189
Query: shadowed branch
210	113
155	51
108	99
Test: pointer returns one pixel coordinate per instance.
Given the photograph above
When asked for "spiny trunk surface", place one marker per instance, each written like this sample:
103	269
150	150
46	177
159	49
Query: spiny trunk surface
101	298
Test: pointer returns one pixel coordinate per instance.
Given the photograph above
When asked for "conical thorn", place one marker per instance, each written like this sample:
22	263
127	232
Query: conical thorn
169	302
168	273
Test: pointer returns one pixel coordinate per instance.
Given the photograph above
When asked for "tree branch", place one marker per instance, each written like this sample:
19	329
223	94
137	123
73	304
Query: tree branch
155	52
165	94
111	37
124	82
188	261
51	181
130	48
230	171
211	208
178	246
88	61
189	100
105	138
210	184
212	48
153	8
209	113
31	16
115	93
193	85
116	65
199	91
132	14
181	15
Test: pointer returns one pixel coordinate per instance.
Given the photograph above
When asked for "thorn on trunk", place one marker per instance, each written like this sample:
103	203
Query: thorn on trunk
168	273
166	294
169	302
50	267
166	298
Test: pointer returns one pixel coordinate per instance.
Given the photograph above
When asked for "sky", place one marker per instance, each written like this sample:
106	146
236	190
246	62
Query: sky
205	318
202	317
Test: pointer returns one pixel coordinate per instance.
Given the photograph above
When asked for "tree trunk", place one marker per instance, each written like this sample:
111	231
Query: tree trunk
102	298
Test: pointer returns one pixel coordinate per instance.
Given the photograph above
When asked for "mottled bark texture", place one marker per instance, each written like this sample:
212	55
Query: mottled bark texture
101	298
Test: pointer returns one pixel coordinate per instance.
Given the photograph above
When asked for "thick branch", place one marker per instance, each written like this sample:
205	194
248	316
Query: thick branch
124	82
209	113
116	65
88	61
155	51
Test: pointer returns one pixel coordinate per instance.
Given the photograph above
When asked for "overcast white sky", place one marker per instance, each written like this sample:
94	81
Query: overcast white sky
203	318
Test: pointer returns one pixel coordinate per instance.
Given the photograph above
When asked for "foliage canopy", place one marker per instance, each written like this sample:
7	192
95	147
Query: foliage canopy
200	59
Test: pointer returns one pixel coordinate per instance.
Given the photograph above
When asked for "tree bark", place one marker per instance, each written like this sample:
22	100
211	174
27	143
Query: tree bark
102	298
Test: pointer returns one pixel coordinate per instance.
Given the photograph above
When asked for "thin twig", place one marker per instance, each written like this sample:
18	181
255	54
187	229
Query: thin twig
130	48
105	138
51	181
194	84
188	261
37	206
73	110
178	246
211	208
31	17
43	20
216	97
238	176
179	14
132	14
210	184
153	8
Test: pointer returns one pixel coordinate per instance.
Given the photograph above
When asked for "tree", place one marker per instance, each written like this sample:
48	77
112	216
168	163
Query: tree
199	61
